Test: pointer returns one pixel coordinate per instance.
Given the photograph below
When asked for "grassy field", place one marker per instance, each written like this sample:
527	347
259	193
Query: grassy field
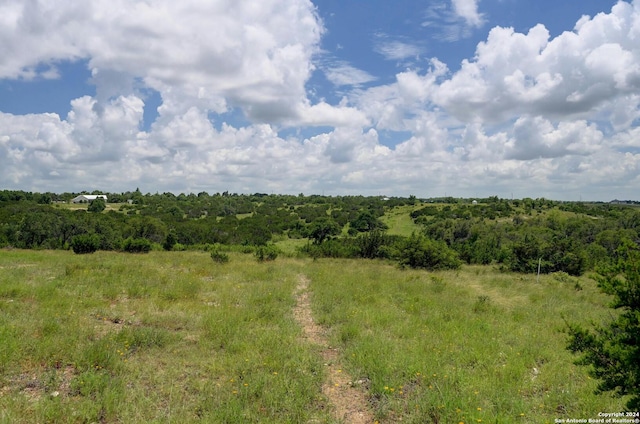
174	337
400	222
83	206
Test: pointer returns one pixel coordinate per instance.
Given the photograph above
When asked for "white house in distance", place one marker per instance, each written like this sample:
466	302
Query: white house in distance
86	198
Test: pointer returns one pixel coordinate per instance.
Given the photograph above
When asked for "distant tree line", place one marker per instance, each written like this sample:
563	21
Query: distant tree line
37	221
526	234
519	235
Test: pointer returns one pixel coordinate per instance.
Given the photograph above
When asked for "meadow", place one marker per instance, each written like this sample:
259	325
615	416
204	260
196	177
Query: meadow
175	337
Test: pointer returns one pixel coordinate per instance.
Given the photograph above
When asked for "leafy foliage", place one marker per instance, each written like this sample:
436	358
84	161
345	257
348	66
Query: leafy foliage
334	248
613	351
219	257
322	229
366	221
514	234
85	243
375	244
170	241
267	253
97	205
136	245
418	251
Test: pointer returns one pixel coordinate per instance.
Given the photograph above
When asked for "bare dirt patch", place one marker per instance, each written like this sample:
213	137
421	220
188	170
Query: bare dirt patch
44	382
346	395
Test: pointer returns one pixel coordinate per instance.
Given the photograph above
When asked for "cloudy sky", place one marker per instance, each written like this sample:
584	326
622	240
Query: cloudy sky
468	98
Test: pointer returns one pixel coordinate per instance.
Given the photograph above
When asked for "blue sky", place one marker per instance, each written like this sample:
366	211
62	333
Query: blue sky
464	97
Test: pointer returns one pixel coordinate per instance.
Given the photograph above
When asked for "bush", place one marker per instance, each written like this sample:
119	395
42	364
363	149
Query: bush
85	243
374	245
322	229
97	206
170	241
219	257
267	253
612	351
136	245
334	248
418	251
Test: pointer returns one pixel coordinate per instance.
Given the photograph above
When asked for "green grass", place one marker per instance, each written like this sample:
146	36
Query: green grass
152	338
400	222
461	346
175	337
289	246
83	206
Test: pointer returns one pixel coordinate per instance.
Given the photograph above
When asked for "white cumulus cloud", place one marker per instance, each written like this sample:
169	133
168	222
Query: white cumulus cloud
254	55
574	74
468	10
528	114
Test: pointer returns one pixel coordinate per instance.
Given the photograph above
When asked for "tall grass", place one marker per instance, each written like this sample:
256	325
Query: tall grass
177	337
463	346
164	337
400	222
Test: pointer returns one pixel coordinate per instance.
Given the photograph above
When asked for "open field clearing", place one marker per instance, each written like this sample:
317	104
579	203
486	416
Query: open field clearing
174	337
83	206
162	337
399	221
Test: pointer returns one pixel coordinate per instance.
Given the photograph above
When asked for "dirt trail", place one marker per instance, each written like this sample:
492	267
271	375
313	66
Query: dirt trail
347	397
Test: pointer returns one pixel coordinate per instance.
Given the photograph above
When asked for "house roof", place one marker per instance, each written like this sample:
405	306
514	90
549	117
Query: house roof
89	197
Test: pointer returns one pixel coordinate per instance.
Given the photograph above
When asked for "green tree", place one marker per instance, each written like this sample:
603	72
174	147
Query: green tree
149	227
374	244
253	230
97	205
613	351
170	240
39	229
366	221
323	228
419	251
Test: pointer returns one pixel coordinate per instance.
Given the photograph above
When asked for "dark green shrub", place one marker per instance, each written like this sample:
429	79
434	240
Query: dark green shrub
219	257
170	241
418	251
97	205
322	229
612	350
375	244
136	245
267	253
333	248
85	243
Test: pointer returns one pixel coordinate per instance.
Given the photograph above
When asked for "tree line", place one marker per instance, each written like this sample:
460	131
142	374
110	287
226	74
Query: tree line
39	221
521	235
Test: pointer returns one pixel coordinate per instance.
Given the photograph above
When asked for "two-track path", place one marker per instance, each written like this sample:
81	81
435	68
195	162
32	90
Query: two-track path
348	399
